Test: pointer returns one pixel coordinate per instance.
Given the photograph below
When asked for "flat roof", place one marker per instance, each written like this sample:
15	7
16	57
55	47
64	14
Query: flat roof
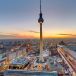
19	61
2	57
29	73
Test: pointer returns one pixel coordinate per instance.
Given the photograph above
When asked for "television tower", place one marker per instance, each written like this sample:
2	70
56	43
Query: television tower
40	21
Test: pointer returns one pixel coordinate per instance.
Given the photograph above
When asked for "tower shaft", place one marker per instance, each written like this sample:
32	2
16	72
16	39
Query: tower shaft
41	43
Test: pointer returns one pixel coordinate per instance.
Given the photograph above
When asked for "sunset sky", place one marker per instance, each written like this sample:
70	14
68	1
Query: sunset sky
19	18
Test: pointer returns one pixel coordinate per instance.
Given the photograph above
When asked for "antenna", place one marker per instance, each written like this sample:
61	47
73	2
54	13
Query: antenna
40	20
40	7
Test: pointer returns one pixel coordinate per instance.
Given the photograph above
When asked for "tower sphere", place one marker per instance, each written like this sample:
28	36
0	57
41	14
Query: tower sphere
40	20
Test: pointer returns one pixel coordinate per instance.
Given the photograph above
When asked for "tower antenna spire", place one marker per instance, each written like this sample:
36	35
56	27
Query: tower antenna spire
40	7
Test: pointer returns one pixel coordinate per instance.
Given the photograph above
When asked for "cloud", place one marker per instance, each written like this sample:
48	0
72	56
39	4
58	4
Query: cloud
33	31
67	34
7	35
13	36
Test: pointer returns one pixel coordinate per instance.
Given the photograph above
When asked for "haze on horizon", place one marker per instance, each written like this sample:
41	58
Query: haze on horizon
18	18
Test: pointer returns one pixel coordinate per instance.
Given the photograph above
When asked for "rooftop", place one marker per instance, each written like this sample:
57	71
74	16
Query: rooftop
29	73
19	61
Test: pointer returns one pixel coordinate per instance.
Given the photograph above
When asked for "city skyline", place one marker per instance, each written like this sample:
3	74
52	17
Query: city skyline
18	19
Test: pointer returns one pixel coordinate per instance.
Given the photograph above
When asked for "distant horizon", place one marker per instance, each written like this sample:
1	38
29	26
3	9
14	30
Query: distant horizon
32	38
